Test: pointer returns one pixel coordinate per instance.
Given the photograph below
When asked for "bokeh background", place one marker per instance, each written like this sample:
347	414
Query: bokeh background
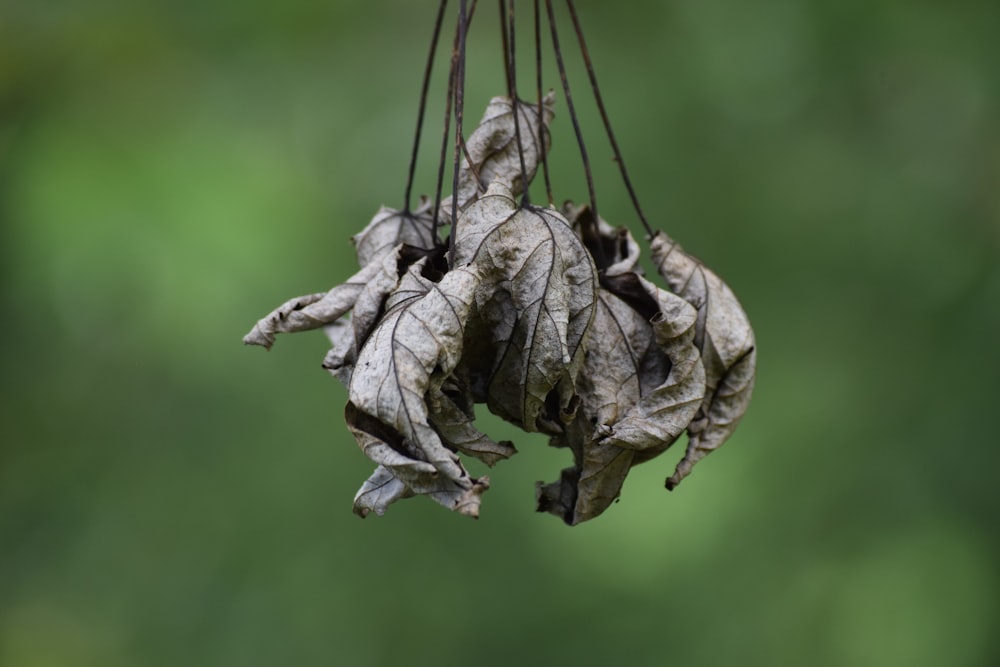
172	170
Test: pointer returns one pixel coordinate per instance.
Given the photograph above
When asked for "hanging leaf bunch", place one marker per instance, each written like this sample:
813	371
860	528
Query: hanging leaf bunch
542	313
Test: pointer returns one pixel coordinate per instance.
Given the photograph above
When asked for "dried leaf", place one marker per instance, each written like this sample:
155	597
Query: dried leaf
641	384
614	249
386	231
401	472
369	307
666	410
534	306
493	150
413	350
313	311
454	425
609	365
726	340
339	361
379	491
390	228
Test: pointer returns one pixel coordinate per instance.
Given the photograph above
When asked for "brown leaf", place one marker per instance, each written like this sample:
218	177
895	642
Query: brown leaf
492	147
614	249
534	307
726	340
413	350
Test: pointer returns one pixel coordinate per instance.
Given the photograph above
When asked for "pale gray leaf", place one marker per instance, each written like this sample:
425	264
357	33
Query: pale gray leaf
641	384
663	413
391	227
313	311
726	340
493	150
414	348
455	427
378	492
339	361
535	304
401	460
368	308
388	230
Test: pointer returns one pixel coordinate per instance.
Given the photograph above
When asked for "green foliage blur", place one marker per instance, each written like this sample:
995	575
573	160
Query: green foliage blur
172	170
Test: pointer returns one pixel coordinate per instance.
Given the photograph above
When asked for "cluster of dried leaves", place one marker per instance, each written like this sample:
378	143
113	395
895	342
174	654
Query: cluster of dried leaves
542	314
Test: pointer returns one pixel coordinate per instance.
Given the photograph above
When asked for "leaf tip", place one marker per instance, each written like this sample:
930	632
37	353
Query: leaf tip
256	337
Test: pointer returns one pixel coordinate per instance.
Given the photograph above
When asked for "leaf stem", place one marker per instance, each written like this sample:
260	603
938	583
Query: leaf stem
542	129
428	69
512	92
604	116
505	39
444	139
572	108
463	29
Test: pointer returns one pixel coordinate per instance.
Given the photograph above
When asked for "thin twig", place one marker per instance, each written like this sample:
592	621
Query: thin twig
428	69
512	91
542	129
444	139
604	116
463	28
572	108
506	43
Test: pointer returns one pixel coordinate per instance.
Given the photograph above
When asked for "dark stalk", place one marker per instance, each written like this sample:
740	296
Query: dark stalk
512	92
572	108
506	43
463	28
428	69
604	116
542	131
447	126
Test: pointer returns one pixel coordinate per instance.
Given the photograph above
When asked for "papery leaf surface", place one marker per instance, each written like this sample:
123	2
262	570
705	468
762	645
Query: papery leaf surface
313	311
492	147
726	340
642	382
535	305
415	347
392	227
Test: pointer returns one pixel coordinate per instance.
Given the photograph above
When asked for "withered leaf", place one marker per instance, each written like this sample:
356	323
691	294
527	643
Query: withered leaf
614	249
535	305
544	316
413	350
642	382
349	333
493	150
391	227
401	472
339	361
665	410
386	231
312	311
454	425
379	491
726	340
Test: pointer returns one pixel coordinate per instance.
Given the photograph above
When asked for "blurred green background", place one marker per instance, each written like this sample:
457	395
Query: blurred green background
170	171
